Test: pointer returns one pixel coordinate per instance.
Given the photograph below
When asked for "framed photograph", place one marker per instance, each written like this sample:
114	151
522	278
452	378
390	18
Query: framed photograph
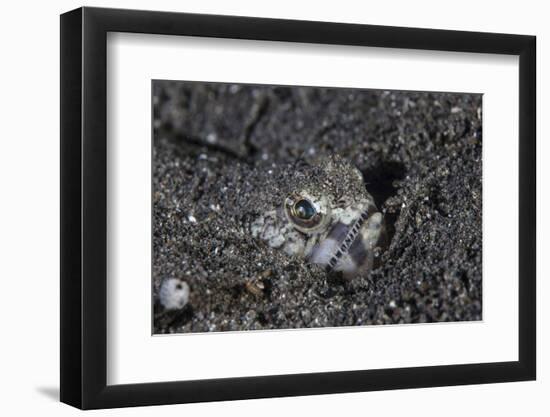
257	208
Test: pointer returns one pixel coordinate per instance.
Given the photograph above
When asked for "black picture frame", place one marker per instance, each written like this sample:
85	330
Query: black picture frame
84	207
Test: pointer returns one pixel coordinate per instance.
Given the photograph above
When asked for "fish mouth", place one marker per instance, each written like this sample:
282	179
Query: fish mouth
344	248
348	241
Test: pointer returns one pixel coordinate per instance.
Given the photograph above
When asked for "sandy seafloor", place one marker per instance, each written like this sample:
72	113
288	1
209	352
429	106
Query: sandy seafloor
215	148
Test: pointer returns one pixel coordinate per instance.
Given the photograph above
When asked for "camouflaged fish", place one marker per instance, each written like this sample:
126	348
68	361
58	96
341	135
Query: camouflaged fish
325	215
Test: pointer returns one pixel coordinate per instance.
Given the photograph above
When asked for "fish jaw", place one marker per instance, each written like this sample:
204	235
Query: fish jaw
349	248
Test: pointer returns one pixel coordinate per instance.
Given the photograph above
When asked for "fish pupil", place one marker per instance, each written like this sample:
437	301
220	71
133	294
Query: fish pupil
304	209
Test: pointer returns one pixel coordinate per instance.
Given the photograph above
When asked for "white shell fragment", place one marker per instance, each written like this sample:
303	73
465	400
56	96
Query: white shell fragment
174	294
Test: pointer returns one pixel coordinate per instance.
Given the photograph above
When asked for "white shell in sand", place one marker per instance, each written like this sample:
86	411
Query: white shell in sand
174	294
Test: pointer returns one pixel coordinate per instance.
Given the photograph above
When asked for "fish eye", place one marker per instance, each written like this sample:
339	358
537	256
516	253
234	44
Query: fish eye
303	209
302	213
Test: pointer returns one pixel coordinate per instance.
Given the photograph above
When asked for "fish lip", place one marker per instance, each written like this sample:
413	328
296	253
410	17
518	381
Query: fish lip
352	234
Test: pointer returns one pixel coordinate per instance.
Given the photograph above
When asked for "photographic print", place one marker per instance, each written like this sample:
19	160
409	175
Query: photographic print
285	207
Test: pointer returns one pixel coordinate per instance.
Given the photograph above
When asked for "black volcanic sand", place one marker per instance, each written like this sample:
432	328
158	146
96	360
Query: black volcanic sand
218	151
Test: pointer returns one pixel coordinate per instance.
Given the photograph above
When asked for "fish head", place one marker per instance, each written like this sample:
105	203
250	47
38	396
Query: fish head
326	216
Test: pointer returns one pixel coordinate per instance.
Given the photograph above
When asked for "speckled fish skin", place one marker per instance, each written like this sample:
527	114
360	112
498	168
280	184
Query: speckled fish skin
347	226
